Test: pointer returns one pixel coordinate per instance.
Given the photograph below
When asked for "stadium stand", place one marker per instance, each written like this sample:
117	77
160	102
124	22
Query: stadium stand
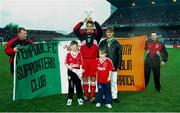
161	15
36	35
141	17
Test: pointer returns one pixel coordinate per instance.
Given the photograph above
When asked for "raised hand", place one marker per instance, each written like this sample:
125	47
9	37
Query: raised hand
86	19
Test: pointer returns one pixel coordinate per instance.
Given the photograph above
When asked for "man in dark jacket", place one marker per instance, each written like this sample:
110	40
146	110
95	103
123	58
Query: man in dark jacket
114	53
11	46
154	49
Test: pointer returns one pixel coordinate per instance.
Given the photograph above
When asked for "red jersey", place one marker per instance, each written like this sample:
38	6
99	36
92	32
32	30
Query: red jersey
104	68
89	46
154	48
74	60
89	53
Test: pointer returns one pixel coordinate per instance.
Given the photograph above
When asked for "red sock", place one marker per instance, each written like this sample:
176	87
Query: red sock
93	89
86	87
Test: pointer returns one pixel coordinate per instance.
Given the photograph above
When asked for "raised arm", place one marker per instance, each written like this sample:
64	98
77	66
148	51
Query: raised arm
102	44
99	31
77	31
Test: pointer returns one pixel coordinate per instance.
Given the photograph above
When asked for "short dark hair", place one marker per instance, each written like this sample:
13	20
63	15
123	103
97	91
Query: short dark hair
103	50
74	43
21	28
90	22
110	29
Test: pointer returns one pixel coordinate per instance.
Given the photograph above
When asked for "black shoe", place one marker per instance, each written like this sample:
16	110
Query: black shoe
116	100
103	101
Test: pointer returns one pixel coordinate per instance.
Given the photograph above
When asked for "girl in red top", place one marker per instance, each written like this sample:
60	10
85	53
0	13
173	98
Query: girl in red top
73	63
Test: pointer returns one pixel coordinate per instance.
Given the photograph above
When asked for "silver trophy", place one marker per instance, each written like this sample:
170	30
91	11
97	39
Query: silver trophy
89	12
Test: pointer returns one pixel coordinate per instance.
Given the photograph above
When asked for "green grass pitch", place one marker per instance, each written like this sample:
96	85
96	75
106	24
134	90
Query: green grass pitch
147	100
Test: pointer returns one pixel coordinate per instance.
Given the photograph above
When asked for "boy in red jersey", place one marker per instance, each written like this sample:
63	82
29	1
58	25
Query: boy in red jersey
105	67
89	50
73	62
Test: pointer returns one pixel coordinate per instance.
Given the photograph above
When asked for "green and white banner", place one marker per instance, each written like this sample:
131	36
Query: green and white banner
40	70
37	71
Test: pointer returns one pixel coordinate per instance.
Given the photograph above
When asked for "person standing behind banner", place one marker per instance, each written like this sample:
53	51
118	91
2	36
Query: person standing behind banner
74	63
11	46
114	53
154	49
89	49
105	67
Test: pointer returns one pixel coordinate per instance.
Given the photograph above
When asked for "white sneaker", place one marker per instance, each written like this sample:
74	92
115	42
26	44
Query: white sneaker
108	105
80	101
98	105
85	98
92	100
69	102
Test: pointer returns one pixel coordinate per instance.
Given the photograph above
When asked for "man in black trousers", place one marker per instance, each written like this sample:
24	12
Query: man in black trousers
154	49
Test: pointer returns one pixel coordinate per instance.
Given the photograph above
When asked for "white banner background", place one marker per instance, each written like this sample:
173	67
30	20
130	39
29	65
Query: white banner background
62	48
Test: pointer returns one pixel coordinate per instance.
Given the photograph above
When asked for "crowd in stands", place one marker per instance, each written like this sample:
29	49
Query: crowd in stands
172	33
133	21
151	14
35	35
171	41
166	33
6	34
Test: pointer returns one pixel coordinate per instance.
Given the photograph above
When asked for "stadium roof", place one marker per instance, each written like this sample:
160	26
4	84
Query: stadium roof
130	3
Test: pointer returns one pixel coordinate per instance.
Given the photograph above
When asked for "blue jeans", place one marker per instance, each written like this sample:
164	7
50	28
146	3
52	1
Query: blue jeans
104	89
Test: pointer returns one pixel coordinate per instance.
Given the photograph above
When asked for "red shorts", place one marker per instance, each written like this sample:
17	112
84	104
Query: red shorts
90	67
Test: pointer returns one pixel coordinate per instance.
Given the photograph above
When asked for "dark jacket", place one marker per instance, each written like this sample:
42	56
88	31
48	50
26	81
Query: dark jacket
114	52
154	51
9	49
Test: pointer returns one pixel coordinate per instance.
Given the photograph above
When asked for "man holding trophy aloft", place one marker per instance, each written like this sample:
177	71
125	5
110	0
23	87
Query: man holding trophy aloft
89	38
